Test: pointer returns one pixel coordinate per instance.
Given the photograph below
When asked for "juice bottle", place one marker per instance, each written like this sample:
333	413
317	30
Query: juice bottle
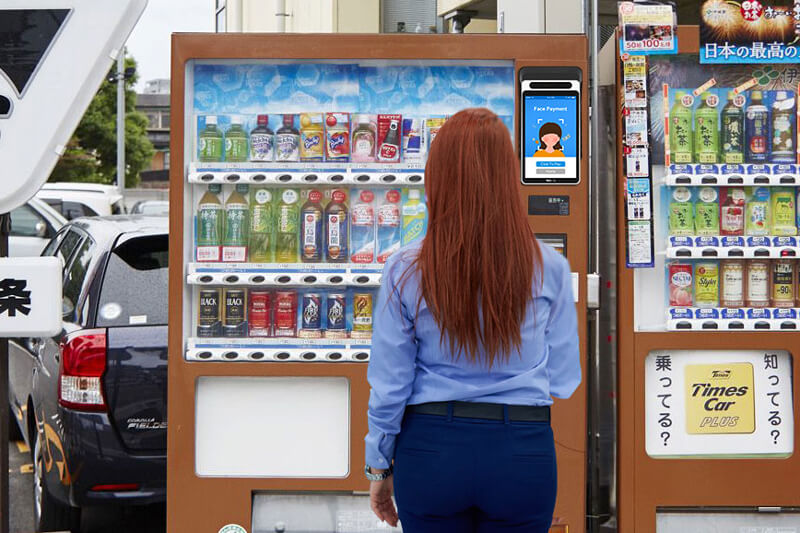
681	282
210	141
236	141
388	224
311	228
732	209
234	243
783	282
756	129
209	224
757	283
336	228
287	141
732	278
681	212
362	227
706	285
783	129
261	217
287	217
784	212
262	141
706	129
364	139
312	137
680	128
757	217
414	217
706	212
733	129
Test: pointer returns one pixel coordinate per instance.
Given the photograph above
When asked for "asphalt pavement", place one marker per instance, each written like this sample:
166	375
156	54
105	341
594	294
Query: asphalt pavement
145	519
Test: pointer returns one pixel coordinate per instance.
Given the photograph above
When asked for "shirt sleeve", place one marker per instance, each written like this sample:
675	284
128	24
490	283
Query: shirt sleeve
561	336
391	366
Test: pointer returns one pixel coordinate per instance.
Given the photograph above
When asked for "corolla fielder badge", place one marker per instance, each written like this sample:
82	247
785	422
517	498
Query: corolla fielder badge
232	528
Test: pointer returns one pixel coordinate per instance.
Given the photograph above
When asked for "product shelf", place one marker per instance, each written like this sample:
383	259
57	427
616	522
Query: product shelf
732	247
317	174
285	275
276	349
737	319
772	174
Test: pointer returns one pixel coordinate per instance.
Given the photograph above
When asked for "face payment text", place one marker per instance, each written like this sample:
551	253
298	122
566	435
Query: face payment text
551	137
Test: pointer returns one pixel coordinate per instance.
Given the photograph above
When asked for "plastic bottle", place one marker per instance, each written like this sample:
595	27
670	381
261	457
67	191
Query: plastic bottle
311	228
706	212
362	227
261	225
364	140
262	141
783	129
287	141
681	212
210	141
336	228
757	212
209	224
414	217
234	243
756	129
706	129
784	212
236	141
388	225
733	130
287	217
680	131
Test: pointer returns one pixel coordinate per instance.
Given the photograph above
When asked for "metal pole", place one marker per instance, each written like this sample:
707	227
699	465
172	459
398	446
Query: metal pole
121	123
5	227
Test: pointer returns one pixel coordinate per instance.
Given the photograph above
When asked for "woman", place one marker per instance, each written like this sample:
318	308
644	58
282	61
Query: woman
550	138
475	330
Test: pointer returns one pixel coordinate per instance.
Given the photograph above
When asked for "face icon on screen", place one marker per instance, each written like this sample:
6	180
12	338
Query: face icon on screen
549	141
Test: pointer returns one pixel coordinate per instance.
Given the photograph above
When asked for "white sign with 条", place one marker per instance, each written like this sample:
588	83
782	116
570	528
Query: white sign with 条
54	54
30	296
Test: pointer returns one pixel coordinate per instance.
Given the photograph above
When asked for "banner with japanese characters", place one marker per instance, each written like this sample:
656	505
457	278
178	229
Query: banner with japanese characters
726	404
753	31
647	27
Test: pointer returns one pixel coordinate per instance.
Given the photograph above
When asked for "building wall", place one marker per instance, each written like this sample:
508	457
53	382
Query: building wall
305	16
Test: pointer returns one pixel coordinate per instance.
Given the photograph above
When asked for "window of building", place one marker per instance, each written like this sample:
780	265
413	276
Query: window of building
152	120
165	120
166	159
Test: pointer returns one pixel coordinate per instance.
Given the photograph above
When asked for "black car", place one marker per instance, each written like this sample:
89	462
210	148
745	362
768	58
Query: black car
91	402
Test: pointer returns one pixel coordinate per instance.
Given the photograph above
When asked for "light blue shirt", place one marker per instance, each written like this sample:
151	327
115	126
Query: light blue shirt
409	366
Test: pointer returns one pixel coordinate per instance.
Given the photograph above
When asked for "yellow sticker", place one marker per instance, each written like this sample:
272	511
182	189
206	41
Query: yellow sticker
706	86
746	85
720	399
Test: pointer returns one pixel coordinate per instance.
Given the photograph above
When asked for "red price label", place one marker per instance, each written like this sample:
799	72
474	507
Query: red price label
752	10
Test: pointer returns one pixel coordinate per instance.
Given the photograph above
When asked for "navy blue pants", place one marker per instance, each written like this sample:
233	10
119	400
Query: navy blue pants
464	475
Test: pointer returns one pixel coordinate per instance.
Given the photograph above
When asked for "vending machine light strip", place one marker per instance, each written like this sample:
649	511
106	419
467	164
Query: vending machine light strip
388	175
745	174
689	247
290	354
284	277
737	319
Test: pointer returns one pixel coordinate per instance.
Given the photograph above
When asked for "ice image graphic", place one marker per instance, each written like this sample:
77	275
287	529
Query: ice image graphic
264	79
205	98
380	80
228	79
425	87
307	74
411	77
460	77
500	102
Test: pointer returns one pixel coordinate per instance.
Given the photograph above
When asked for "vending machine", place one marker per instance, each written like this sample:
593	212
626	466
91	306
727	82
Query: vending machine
708	293
297	169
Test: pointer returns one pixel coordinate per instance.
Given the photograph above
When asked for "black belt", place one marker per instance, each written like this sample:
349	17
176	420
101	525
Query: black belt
487	411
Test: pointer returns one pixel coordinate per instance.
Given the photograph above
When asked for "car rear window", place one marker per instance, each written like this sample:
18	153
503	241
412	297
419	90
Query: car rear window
134	289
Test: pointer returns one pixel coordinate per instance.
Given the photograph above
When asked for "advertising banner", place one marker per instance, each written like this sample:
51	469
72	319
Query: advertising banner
755	31
648	28
720	403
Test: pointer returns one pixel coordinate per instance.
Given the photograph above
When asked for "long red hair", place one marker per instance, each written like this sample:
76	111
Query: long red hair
479	259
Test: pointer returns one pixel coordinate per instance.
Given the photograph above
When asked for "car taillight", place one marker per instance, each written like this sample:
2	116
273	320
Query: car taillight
83	362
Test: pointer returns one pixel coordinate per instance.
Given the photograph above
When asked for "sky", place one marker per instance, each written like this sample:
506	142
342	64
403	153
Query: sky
149	42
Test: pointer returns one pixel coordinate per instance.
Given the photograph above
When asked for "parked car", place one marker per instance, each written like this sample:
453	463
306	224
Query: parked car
75	200
32	226
91	402
151	207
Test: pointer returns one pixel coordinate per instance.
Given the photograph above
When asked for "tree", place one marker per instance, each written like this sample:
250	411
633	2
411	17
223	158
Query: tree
91	153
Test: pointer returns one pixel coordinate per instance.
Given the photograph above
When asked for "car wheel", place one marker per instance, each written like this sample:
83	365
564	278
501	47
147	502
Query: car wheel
14	433
49	515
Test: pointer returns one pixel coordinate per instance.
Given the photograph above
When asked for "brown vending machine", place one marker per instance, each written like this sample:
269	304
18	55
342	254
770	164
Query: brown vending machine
708	293
298	167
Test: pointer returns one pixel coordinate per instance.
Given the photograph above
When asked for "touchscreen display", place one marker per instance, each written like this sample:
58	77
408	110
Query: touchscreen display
551	137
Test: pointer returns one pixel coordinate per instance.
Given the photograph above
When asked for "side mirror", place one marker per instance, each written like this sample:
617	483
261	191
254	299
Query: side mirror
41	229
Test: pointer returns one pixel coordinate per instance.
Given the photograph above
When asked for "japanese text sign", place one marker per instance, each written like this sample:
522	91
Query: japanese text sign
30	296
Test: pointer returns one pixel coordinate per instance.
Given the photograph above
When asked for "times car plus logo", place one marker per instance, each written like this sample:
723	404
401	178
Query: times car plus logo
720	398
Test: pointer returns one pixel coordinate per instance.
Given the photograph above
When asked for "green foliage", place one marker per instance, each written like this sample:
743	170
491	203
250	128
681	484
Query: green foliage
91	154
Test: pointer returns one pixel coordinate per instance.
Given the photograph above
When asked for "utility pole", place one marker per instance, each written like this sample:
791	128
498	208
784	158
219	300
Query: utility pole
121	123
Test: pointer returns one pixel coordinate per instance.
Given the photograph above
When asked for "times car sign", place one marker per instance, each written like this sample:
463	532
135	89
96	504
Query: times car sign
30	296
54	54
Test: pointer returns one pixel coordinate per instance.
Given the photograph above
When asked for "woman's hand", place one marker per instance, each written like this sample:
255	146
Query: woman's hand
380	499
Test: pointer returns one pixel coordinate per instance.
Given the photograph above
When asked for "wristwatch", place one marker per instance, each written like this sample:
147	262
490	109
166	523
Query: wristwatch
377	477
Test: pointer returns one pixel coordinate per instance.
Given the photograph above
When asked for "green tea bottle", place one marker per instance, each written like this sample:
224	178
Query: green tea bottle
234	244
706	130
784	212
681	212
261	225
210	141
236	141
288	218
209	224
706	212
733	130
680	129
